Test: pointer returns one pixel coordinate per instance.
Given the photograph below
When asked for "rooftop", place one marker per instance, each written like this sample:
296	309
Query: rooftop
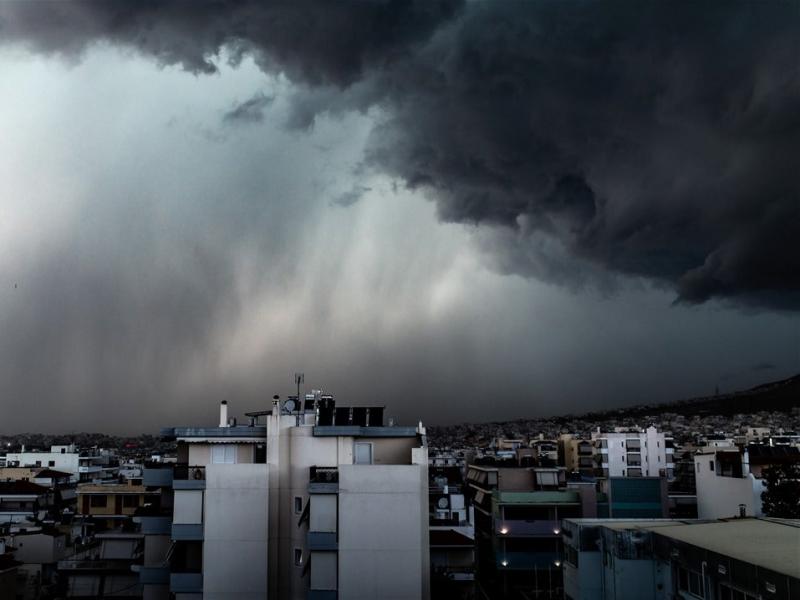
21	487
111	488
770	543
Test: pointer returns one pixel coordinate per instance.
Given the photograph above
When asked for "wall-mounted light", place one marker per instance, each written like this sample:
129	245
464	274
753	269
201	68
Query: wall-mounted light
504	530
557	563
556	531
504	563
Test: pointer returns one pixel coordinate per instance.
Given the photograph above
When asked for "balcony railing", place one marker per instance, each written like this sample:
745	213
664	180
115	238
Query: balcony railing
188	477
323	480
323	475
186	473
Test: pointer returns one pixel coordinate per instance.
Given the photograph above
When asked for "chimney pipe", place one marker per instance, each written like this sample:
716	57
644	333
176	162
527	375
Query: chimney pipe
223	413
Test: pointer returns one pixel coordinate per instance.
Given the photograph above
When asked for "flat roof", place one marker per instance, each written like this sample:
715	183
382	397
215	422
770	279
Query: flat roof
773	544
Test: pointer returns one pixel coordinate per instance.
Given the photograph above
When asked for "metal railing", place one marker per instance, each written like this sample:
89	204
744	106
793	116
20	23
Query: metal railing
323	475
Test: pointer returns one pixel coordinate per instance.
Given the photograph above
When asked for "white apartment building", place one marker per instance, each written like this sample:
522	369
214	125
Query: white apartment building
633	453
91	466
320	502
730	481
60	458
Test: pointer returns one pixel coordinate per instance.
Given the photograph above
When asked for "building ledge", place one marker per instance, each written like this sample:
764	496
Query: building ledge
239	431
359	431
322	540
187	531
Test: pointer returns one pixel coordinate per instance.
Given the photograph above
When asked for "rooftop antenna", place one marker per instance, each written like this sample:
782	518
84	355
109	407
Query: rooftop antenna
298	379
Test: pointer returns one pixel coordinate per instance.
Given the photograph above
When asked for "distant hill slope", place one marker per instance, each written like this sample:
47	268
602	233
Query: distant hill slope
783	395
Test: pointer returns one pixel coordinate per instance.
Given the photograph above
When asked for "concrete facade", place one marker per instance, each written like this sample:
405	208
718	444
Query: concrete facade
235	533
380	554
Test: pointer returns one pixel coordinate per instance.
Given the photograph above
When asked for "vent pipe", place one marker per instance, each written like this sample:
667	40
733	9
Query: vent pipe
223	413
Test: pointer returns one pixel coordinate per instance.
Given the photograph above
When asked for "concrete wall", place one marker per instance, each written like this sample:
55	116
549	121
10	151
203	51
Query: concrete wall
188	507
235	532
720	497
323	513
38	548
381	539
199	454
391	451
586	581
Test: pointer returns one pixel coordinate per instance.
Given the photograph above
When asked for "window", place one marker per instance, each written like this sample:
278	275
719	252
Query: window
690	581
729	593
363	453
38	463
223	454
130	501
98	501
711	465
298	505
298	557
51	463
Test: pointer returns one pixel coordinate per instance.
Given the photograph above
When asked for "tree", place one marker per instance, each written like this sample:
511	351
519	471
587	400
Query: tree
782	496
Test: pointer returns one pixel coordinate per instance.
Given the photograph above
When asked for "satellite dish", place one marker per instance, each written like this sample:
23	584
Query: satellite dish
442	502
288	406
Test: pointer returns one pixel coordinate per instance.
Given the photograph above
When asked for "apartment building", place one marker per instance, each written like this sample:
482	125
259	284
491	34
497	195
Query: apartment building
518	512
23	501
90	465
576	454
730	482
730	559
320	501
633	453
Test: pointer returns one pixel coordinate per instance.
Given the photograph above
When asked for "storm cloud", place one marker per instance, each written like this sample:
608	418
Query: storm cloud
197	200
653	139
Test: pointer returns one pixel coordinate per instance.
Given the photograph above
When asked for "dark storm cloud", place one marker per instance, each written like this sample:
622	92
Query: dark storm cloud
648	139
249	111
351	196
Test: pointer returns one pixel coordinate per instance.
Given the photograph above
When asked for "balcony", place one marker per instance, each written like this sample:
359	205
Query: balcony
514	528
321	540
152	575
187	531
95	566
187	477
157	476
323	480
186	583
154	524
512	561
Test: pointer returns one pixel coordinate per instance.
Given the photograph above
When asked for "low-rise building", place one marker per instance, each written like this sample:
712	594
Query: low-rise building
730	481
742	559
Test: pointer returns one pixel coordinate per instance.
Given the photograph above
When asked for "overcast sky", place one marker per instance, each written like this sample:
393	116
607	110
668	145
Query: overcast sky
463	212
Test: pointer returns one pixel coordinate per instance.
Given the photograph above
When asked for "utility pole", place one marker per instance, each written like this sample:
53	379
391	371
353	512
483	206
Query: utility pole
298	379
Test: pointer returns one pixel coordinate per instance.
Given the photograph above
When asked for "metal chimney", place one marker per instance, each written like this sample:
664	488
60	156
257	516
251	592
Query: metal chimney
223	413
